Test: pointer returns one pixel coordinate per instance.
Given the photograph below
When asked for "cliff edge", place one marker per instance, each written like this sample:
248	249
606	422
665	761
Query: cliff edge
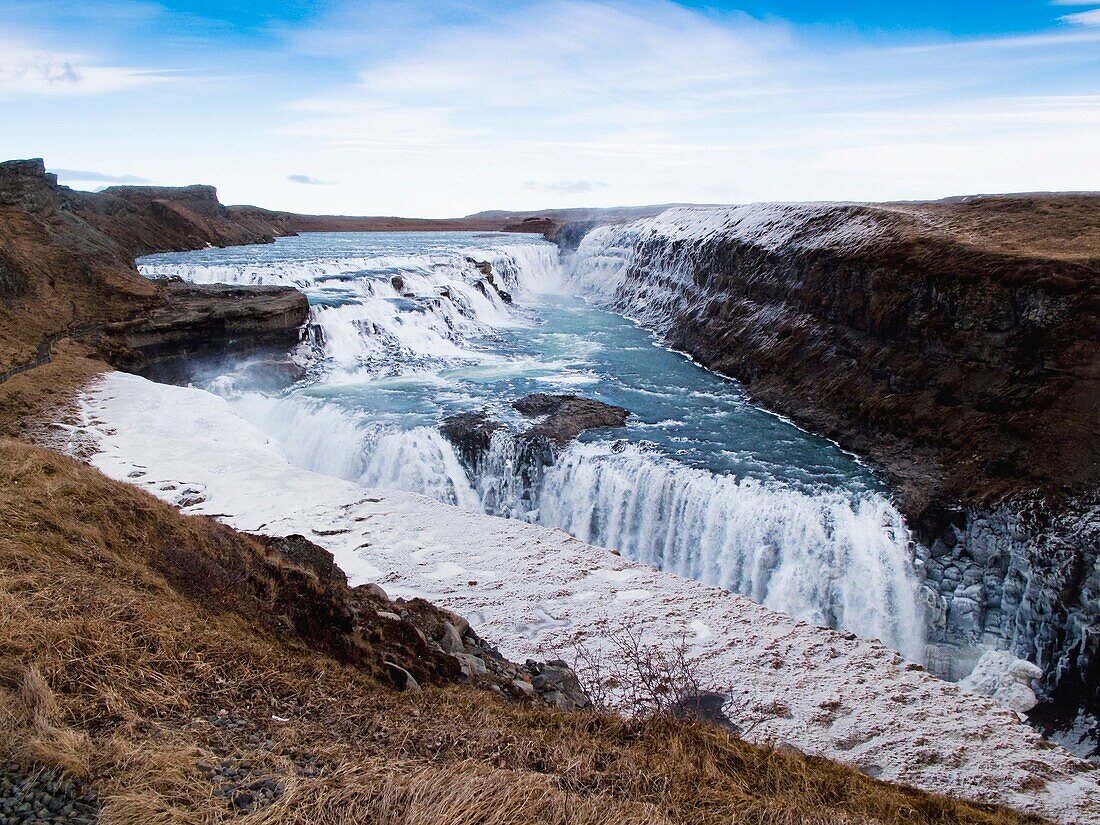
67	272
955	344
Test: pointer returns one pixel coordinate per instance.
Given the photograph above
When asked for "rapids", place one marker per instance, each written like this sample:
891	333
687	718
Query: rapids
408	328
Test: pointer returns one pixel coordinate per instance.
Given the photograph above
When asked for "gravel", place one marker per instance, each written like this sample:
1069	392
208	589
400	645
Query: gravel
43	796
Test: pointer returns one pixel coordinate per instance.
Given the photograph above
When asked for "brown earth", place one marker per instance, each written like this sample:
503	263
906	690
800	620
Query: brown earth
67	272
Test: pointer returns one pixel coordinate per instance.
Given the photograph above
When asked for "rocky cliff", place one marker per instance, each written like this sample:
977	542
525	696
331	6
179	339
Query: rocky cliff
955	344
67	271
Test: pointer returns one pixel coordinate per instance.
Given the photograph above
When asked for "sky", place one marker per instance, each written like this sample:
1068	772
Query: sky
446	108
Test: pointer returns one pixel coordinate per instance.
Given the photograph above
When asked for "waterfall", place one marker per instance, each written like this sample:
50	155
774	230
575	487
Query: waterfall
822	556
397	311
388	327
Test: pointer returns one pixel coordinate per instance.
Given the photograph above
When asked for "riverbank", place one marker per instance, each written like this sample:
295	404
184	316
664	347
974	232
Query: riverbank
534	589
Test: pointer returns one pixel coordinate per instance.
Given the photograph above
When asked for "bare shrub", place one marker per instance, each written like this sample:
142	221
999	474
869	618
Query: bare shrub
640	680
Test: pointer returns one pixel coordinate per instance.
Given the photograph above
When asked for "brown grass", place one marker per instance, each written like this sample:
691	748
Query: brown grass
32	402
114	667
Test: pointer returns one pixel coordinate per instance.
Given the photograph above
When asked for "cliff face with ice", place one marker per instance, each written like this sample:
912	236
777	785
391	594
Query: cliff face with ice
957	345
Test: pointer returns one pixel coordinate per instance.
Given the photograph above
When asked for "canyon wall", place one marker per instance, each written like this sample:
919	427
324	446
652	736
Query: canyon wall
67	272
956	345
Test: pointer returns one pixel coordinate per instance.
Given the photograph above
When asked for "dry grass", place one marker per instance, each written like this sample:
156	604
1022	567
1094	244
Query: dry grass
114	665
32	401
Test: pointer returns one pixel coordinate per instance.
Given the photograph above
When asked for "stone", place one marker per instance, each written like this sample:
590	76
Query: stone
402	678
450	641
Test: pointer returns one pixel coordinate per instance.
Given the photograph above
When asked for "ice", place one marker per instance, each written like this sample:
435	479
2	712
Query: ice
783	675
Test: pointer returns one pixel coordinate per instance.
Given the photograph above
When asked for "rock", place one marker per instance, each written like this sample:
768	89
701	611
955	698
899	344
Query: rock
705	706
299	550
402	679
192	320
523	688
567	416
558	685
470	433
471	665
450	641
373	591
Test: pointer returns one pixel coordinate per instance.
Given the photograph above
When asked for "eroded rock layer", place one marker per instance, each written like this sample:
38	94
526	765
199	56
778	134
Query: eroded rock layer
67	272
956	344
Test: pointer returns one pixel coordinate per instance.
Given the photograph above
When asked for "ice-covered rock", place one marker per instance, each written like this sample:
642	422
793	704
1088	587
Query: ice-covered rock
1004	679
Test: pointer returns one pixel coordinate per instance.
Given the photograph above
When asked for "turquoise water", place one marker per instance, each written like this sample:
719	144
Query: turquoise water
406	329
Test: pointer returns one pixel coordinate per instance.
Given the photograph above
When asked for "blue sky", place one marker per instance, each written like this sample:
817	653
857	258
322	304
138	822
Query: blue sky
437	108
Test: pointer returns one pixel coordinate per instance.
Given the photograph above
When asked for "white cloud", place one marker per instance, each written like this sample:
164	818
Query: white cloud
30	70
1083	18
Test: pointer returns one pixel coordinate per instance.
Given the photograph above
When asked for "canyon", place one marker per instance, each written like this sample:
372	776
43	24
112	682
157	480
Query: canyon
956	345
952	345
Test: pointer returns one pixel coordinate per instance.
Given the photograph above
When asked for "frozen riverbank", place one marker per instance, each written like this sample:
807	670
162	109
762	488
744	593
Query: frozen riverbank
534	589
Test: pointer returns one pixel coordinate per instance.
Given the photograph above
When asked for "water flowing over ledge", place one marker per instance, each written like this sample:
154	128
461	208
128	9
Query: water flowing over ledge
400	331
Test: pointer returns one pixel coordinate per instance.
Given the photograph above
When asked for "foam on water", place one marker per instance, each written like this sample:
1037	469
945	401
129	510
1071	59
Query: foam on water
724	493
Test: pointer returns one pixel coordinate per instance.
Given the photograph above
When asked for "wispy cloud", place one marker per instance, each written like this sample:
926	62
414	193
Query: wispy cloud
566	187
84	176
595	66
1083	18
310	181
30	70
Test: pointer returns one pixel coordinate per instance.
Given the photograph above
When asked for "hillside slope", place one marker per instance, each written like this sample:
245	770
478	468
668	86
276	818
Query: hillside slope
67	272
180	672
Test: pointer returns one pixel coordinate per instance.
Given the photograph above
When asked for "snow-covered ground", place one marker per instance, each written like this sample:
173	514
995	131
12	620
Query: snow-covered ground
532	590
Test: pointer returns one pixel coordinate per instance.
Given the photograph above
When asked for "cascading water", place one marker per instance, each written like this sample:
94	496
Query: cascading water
825	557
412	328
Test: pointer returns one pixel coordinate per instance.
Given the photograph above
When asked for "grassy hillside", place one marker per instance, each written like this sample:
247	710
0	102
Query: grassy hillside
183	672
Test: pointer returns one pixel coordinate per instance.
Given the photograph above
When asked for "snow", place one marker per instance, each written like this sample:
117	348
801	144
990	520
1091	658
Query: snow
1005	679
533	590
768	225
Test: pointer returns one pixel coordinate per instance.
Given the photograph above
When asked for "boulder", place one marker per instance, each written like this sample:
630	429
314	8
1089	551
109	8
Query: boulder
567	416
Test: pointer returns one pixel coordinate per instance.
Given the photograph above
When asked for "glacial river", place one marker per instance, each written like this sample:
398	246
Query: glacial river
409	328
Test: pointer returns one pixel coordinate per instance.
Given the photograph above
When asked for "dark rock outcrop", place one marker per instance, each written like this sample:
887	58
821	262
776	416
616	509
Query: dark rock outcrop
300	551
564	418
567	416
470	433
195	320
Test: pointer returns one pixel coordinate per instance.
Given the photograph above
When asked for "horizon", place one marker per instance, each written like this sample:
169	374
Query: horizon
447	110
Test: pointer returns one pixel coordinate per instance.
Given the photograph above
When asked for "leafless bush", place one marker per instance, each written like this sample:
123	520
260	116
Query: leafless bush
640	679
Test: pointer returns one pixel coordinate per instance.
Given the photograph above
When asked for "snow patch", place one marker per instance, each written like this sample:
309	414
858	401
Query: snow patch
826	693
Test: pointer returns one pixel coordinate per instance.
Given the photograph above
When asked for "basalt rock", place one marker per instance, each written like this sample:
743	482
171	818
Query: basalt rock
564	417
471	434
194	320
567	416
299	550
